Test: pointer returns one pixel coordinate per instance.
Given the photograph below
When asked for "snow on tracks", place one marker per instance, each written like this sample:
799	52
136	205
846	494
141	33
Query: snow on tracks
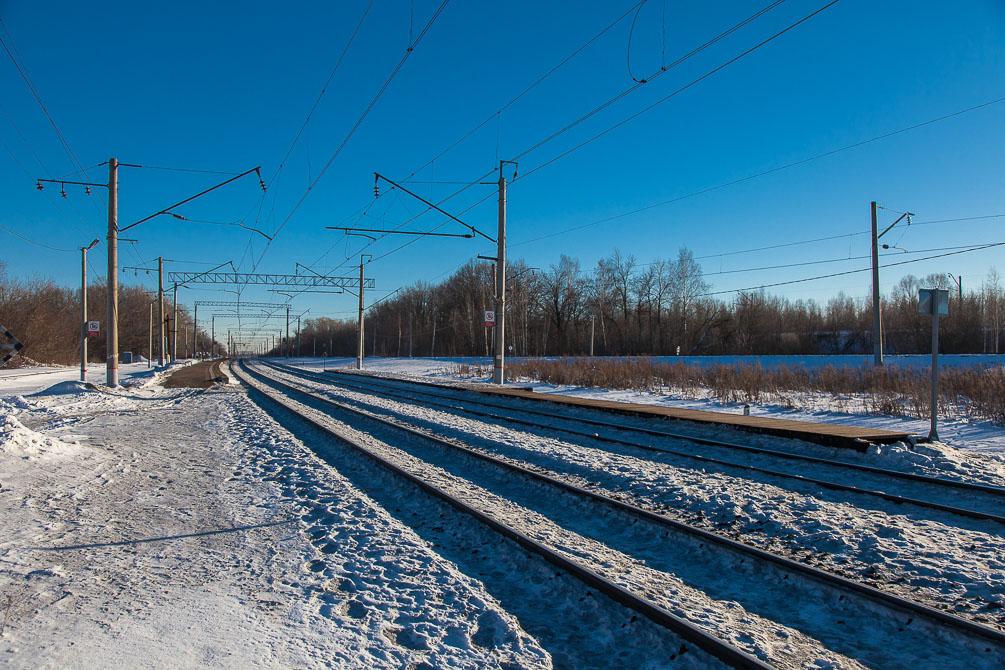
666	575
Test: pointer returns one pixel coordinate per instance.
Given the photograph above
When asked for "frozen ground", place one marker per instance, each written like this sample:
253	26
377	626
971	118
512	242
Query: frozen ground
157	528
982	436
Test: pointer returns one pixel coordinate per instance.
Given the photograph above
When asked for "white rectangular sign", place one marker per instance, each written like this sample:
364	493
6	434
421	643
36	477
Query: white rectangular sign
93	326
490	317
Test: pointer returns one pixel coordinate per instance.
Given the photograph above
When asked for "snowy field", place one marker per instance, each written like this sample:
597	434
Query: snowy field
982	436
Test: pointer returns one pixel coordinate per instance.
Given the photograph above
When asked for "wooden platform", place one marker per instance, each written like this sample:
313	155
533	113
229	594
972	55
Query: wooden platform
200	375
829	434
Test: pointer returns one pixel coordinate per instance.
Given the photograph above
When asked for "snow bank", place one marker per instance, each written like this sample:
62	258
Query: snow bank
65	388
19	441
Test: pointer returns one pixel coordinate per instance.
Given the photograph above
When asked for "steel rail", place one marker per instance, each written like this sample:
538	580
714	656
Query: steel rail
912	476
835	486
721	649
869	592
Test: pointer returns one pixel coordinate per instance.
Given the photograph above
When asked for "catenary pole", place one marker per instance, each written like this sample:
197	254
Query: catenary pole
195	331
150	337
359	339
174	326
83	314
112	337
287	347
498	360
877	317
160	311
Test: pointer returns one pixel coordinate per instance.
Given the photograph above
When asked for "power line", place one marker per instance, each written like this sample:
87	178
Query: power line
773	170
680	90
324	89
31	241
783	245
359	121
528	89
38	98
848	272
663	70
589	114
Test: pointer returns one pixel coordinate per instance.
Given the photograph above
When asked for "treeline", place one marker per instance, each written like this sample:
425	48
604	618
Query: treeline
46	318
663	307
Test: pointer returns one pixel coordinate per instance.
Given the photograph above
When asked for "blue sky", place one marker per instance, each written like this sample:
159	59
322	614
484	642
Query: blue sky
213	87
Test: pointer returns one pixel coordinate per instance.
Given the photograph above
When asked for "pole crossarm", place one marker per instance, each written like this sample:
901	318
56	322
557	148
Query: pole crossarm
377	177
234	303
385	231
265	279
167	210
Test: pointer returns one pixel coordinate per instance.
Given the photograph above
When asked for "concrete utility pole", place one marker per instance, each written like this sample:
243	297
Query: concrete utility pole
112	336
112	315
592	331
877	317
298	336
499	357
83	309
359	341
195	331
877	314
160	310
212	336
150	337
174	327
287	347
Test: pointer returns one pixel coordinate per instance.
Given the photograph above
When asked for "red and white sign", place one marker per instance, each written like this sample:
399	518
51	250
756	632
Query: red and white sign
490	318
93	328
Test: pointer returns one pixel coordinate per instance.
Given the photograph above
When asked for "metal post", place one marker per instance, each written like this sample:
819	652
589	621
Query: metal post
359	343
933	433
212	336
83	314
150	337
112	316
877	317
298	337
174	327
498	360
592	331
160	311
287	347
195	332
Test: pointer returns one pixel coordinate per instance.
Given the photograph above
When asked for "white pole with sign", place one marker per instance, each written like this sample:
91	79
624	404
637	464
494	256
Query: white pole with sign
935	303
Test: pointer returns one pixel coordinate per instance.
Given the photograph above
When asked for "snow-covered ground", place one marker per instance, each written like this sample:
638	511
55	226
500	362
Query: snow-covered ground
959	433
21	381
152	527
175	528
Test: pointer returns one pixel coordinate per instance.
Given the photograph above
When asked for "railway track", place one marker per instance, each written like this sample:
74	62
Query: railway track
720	649
989	498
913	619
